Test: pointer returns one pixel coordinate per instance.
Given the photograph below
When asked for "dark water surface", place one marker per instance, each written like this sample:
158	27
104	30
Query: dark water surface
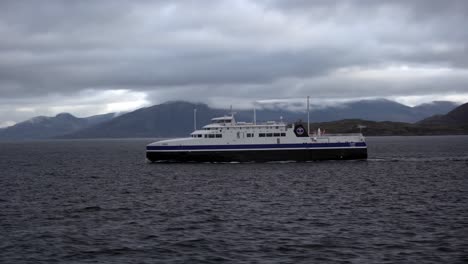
98	201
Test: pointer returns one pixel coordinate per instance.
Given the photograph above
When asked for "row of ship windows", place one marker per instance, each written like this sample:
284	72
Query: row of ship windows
270	135
247	134
208	136
216	128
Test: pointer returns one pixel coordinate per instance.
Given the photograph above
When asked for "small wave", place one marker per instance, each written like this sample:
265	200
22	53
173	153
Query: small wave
111	251
150	237
92	208
283	161
87	209
190	243
419	159
376	159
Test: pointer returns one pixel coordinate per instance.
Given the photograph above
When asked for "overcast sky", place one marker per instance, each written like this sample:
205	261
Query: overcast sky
90	57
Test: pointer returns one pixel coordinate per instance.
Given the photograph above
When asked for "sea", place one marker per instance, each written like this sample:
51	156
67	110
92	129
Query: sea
100	201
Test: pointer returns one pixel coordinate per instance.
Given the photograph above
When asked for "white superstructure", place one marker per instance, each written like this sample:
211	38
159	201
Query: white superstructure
225	130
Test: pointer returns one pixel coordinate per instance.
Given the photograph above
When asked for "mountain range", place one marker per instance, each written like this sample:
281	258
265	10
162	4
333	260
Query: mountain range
456	117
454	122
173	119
43	127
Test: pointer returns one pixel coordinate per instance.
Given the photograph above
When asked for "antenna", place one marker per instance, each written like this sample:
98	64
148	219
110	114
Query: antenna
360	128
308	115
231	111
195	119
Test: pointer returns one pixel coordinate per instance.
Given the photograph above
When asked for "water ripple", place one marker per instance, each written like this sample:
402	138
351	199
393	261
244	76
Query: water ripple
98	202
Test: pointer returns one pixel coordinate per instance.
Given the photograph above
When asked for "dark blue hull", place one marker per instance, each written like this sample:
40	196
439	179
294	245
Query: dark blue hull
258	155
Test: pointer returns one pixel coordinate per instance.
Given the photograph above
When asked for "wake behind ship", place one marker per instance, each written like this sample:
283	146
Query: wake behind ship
225	140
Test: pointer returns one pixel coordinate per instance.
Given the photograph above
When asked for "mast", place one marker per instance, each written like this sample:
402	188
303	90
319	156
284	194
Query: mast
255	115
308	116
195	119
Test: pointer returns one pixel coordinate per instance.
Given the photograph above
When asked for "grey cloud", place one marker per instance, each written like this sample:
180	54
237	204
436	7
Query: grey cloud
419	9
219	49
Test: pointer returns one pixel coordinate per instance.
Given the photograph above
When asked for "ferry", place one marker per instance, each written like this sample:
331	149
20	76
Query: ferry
225	140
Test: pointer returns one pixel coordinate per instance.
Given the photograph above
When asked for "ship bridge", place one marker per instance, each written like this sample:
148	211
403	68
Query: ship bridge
219	122
223	120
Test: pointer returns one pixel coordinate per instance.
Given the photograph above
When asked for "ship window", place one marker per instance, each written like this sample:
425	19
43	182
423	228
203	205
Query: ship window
211	135
219	135
206	136
269	134
261	135
249	134
276	134
200	136
283	134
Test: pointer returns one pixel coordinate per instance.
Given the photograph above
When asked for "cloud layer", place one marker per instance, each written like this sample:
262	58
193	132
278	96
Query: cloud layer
61	54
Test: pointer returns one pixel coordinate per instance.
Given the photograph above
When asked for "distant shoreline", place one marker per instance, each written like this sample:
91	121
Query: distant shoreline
151	139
